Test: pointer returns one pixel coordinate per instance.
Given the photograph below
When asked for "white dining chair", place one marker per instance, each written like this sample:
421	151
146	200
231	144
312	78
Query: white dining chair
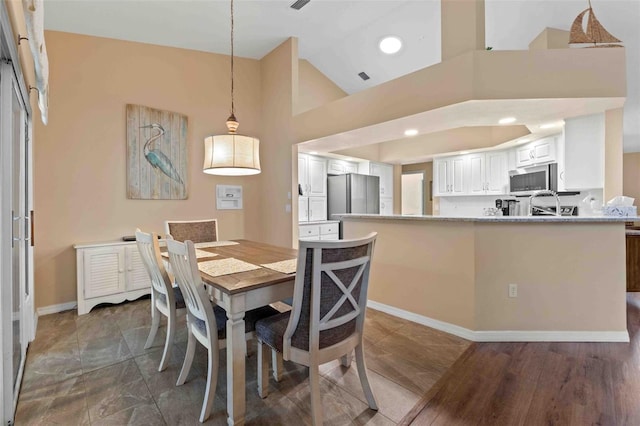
206	322
166	299
327	317
198	231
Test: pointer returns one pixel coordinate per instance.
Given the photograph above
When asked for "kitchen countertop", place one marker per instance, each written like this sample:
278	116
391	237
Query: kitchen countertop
319	222
497	219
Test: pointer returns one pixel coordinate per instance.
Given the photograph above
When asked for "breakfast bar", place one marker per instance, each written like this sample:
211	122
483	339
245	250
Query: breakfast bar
517	278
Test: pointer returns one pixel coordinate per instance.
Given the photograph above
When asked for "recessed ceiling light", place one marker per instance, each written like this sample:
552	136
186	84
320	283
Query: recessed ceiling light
313	152
390	45
410	132
549	125
464	152
507	120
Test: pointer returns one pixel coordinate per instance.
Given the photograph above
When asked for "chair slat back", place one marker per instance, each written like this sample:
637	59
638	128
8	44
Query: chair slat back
330	292
182	258
149	249
198	231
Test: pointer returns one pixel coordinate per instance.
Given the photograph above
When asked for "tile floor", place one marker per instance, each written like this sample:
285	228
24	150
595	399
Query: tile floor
92	369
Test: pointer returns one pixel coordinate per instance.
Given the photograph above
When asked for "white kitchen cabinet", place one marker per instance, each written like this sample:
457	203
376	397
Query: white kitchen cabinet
487	173
303	209
312	209
340	167
110	272
449	176
537	152
312	175
582	145
386	206
317	208
327	230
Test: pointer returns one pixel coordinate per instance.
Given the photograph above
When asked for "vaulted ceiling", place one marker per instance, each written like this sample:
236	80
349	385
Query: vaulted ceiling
340	37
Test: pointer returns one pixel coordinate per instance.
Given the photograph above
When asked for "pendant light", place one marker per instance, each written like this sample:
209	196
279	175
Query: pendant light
231	154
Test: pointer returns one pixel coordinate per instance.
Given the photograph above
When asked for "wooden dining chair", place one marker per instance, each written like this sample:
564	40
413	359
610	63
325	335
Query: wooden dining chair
198	231
327	317
166	299
206	322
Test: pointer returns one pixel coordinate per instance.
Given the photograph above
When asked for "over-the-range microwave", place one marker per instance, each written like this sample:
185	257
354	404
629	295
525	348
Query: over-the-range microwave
527	181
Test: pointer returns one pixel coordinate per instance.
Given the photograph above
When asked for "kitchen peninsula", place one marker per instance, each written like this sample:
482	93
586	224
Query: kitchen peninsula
517	278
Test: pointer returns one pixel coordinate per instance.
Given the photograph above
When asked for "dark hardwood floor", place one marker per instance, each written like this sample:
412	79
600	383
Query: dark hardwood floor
540	384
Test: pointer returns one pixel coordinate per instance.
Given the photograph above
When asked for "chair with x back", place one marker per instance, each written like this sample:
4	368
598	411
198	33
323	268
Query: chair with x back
165	299
198	231
206	322
327	317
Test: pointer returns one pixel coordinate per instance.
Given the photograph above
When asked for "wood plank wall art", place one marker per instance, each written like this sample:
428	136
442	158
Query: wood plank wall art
156	154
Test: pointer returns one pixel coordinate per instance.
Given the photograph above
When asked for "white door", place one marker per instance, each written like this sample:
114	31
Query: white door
16	267
412	193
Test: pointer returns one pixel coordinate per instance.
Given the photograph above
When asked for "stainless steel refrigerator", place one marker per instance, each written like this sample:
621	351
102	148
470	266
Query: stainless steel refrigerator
353	193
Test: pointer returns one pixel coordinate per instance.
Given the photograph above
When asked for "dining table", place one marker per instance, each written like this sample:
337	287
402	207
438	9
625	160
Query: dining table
243	275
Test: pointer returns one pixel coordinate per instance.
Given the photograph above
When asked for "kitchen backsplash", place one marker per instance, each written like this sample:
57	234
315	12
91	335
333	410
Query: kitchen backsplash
474	206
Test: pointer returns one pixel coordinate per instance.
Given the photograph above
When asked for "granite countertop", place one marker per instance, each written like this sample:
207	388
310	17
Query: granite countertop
319	222
497	219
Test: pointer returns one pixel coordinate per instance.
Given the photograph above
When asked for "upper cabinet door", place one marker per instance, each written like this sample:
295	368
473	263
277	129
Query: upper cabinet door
457	185
440	179
477	181
317	177
303	173
350	168
496	174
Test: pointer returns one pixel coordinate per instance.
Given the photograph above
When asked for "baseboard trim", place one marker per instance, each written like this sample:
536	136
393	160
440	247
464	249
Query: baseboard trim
503	335
456	330
54	309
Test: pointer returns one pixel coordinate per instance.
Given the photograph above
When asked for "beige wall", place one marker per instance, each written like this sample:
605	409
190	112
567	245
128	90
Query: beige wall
551	38
427	168
314	88
475	75
279	99
462	26
631	176
422	267
80	157
458	272
613	154
565	280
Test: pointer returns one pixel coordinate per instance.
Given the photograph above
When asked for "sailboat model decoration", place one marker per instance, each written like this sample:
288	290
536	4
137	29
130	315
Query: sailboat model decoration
595	33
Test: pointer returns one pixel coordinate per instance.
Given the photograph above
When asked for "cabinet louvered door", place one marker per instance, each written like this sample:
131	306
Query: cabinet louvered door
136	276
103	271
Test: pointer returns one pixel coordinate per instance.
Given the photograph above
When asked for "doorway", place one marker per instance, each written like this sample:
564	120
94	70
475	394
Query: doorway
413	193
16	249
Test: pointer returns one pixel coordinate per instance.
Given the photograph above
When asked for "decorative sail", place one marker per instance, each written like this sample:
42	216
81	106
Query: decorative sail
595	31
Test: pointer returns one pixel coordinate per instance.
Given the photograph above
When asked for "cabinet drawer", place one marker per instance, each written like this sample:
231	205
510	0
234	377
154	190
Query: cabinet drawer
329	228
329	237
308	231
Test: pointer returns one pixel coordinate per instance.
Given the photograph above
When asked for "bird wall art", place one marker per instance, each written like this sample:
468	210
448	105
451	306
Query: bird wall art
156	154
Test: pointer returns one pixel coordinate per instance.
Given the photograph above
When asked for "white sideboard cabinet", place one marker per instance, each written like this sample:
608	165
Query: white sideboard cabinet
109	272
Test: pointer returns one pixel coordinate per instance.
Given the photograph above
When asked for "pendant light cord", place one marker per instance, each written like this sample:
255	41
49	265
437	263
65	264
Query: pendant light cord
232	103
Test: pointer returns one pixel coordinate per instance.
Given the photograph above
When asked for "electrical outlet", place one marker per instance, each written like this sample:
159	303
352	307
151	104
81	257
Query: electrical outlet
513	290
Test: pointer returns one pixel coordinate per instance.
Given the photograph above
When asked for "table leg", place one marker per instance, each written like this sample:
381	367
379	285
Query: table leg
236	354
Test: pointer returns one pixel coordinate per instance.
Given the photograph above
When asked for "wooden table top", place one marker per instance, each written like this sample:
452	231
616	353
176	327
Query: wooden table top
252	252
